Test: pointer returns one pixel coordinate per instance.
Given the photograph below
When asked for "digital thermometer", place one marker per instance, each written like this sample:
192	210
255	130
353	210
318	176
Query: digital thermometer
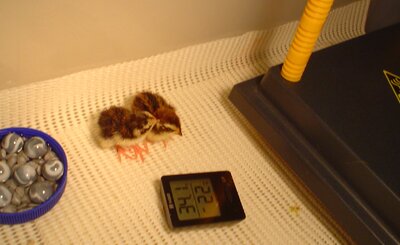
200	198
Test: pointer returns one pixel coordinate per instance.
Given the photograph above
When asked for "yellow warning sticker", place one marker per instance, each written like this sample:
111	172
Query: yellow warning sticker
394	82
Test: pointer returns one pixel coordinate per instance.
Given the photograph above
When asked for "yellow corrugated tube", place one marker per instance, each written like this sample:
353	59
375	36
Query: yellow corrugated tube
307	33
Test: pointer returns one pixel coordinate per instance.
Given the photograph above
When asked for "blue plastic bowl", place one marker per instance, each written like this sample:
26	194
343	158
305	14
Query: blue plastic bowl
31	214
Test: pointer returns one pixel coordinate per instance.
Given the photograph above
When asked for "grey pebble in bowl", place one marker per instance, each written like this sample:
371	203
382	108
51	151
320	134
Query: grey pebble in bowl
33	174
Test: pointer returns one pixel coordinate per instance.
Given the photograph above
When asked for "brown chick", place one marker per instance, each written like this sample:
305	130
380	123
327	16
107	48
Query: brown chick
118	126
168	122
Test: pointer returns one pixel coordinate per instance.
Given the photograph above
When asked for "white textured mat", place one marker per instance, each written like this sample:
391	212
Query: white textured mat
112	202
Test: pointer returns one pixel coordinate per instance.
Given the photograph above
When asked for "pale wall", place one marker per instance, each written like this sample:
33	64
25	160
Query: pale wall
43	39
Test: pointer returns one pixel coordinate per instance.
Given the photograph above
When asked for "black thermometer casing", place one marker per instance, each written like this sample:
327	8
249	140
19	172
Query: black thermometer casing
200	198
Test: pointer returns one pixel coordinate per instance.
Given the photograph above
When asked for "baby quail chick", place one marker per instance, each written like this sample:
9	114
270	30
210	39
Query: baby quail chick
168	122
119	127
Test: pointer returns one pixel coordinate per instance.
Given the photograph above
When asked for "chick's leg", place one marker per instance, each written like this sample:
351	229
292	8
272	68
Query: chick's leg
165	141
138	150
123	152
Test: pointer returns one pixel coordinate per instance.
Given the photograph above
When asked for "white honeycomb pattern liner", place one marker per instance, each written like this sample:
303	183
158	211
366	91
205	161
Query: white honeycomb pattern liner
112	202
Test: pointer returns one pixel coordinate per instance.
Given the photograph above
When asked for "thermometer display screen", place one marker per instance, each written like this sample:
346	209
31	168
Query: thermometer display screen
200	198
194	199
